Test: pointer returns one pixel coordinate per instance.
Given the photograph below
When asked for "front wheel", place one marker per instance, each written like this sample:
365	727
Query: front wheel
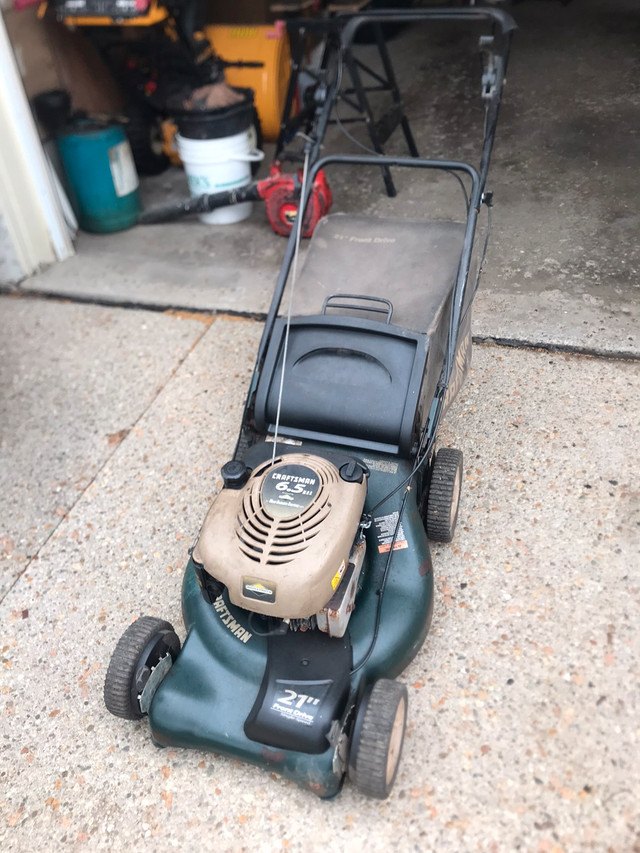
378	735
141	659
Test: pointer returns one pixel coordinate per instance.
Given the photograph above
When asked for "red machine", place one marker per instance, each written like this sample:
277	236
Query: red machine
280	193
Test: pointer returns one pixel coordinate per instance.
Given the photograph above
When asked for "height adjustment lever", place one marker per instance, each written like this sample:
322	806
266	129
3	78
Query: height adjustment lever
491	64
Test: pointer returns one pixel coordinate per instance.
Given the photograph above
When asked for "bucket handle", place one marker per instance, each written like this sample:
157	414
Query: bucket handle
255	156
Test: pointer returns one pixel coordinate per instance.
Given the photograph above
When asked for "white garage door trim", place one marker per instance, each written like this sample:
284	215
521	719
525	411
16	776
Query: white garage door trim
28	203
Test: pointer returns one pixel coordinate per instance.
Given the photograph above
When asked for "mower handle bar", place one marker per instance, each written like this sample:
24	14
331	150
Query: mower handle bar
370	160
503	19
389	160
460	288
492	96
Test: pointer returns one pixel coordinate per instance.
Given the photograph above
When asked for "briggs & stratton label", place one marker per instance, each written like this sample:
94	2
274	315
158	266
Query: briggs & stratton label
258	589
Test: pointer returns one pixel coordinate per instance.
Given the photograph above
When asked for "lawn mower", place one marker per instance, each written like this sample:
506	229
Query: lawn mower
310	585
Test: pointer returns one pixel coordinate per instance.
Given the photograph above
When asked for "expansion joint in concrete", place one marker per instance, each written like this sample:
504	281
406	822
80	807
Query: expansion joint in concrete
569	349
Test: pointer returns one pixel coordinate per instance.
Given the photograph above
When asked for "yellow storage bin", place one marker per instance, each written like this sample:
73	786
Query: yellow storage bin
268	45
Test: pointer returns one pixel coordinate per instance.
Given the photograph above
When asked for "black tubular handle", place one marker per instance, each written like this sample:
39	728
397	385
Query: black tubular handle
499	17
198	204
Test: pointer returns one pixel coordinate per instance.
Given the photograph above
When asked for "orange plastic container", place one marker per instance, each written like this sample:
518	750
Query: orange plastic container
268	45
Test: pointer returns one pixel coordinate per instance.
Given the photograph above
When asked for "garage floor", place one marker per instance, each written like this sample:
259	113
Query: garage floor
564	257
120	399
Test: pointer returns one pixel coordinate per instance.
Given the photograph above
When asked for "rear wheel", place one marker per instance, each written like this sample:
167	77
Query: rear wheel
443	498
378	736
142	657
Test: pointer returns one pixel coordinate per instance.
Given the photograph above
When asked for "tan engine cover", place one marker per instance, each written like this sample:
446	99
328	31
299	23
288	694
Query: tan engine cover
281	544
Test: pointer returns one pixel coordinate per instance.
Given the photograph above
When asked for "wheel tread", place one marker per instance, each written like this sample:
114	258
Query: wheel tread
446	467
369	769
123	663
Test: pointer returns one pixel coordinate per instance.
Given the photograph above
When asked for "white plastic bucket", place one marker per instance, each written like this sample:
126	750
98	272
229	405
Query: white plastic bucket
217	165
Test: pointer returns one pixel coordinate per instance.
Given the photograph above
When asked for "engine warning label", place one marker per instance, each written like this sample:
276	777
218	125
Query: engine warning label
338	575
387	527
382	465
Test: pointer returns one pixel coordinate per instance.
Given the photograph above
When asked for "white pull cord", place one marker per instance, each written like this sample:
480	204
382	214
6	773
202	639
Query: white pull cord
294	275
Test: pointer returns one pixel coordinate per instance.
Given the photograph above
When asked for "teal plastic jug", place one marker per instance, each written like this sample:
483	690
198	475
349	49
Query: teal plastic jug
101	174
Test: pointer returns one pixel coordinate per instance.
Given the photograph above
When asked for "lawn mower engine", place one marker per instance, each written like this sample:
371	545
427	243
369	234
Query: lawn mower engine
286	540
